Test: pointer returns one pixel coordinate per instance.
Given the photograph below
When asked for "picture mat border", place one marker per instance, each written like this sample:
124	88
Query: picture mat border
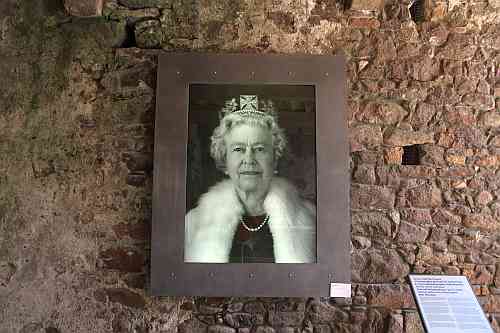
419	309
170	275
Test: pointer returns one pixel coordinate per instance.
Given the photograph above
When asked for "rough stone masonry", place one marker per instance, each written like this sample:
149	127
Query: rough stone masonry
77	98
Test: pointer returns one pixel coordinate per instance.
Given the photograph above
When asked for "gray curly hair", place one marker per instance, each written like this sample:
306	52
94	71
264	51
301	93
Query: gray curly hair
218	147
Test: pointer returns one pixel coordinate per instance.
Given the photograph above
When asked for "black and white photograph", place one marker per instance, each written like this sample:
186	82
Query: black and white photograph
251	180
251	174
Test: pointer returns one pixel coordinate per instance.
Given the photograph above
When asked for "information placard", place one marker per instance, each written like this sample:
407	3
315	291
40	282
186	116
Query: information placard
447	304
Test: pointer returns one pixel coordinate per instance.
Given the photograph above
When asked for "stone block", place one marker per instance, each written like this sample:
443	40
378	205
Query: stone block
375	5
391	296
287	329
192	325
480	101
371	197
52	329
284	20
465	85
480	258
393	155
386	49
94	32
125	297
490	119
7	271
424	253
410	233
364	23
494	4
138	231
135	281
254	307
378	266
148	34
423	114
322	312
290	305
458	47
365	174
496	278
455	159
422	196
84	7
116	12
139	4
486	161
427	69
136	180
483	222
139	161
220	329
126	260
322	328
280	318
264	329
412	321
241	319
381	112
396	323
419	216
483	198
460	116
480	274
400	137
417	171
361	242
438	238
136	79
362	137
456	172
371	224
368	157
32	328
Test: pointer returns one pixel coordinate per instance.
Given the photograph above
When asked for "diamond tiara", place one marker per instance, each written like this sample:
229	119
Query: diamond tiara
248	106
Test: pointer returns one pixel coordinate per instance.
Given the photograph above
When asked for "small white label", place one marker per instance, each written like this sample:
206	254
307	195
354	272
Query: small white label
340	290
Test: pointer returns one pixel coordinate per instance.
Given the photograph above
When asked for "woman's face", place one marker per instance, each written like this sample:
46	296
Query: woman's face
250	157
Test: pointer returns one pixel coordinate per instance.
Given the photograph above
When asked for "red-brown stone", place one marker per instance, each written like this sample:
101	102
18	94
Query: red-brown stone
482	221
125	297
378	266
84	7
126	260
138	231
371	196
422	196
416	215
364	136
364	23
392	296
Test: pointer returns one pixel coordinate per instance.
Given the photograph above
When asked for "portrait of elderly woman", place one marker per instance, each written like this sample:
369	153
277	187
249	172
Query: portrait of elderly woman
252	214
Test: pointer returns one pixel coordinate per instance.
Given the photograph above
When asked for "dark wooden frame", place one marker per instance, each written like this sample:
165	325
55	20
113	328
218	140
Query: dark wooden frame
170	275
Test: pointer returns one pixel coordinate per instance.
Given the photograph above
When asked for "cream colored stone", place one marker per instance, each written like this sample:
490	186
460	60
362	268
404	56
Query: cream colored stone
393	155
456	159
399	137
367	4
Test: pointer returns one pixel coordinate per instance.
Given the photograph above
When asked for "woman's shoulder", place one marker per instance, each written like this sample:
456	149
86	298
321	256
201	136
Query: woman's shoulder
285	190
222	192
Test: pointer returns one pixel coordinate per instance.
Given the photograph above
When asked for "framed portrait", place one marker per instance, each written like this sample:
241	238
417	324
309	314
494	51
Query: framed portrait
251	181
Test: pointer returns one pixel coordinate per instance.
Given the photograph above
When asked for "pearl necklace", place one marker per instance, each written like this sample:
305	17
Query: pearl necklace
256	228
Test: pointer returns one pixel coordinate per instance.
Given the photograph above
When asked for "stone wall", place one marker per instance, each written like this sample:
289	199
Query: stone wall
76	139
